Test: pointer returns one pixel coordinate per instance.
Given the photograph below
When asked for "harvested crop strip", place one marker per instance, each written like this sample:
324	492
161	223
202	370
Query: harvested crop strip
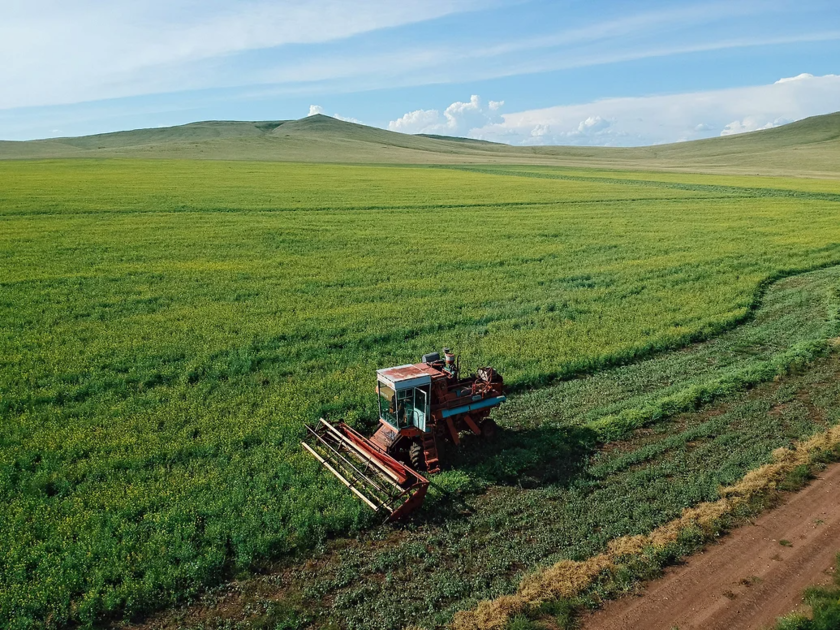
569	578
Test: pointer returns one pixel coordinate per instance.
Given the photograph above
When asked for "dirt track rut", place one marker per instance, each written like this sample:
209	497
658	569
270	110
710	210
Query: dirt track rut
749	578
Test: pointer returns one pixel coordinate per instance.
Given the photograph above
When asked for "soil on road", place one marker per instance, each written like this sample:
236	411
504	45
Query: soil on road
752	576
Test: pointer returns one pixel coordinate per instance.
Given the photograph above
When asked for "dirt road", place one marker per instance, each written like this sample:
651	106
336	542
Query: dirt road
752	576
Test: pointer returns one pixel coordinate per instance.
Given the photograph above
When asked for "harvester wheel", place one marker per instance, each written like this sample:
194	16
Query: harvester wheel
488	428
417	456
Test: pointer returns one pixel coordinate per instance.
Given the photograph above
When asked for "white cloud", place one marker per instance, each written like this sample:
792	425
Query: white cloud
668	118
457	119
751	123
540	130
413	64
799	77
593	130
416	122
593	124
348	119
317	109
63	52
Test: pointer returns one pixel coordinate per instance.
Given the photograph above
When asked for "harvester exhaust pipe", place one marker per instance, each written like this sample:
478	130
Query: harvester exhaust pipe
449	356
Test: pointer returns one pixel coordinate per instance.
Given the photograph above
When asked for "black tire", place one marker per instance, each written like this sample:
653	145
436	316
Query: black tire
417	456
488	428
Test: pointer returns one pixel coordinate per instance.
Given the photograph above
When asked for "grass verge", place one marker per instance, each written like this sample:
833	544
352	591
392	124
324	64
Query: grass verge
825	608
570	584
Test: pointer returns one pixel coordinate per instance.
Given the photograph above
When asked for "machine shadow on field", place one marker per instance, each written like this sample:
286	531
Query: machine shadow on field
526	458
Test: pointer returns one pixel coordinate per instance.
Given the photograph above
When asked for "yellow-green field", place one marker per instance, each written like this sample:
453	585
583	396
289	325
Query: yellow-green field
166	328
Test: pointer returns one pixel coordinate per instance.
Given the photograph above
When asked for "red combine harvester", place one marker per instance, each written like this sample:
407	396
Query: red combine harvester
420	405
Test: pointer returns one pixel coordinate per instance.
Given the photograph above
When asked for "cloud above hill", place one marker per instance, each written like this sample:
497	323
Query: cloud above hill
314	110
638	120
457	119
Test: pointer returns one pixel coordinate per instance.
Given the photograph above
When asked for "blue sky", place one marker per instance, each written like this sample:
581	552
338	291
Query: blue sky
584	72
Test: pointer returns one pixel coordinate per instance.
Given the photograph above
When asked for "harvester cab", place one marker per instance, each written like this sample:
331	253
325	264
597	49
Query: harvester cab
420	406
404	394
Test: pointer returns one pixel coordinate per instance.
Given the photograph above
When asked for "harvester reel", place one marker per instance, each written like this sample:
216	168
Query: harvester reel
383	483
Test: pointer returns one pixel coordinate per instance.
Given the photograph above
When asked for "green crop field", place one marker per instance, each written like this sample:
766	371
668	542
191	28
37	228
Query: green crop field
167	327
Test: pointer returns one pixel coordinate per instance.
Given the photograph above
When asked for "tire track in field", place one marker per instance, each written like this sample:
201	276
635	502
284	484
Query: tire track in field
362	208
734	191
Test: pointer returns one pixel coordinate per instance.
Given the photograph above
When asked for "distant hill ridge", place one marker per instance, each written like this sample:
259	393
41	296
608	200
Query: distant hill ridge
808	147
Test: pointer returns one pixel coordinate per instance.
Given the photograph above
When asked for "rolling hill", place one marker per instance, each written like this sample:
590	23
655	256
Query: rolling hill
809	147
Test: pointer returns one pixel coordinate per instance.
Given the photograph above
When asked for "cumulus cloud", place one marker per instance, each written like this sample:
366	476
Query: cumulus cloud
348	119
751	123
592	130
317	109
799	77
457	120
668	118
417	121
593	124
540	130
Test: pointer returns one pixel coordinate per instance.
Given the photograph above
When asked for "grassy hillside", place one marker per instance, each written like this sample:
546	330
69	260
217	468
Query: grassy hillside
168	327
315	138
808	147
